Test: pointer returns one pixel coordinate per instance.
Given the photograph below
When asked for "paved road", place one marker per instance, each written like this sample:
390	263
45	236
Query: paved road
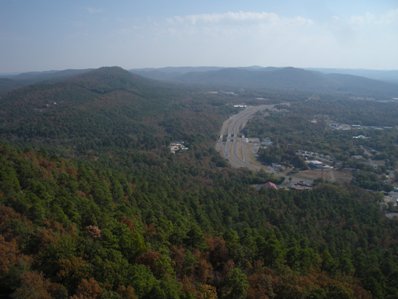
233	146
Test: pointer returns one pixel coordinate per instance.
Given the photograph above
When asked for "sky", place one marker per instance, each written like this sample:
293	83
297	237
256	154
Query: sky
39	35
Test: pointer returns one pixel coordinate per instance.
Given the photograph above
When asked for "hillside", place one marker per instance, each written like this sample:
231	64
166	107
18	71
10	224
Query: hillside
382	75
163	228
11	82
94	205
98	109
278	79
7	84
170	73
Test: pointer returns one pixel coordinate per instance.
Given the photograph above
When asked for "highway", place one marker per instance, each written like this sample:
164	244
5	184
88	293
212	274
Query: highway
233	146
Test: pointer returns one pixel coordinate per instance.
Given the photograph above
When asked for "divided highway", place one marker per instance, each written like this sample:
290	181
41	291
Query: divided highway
233	146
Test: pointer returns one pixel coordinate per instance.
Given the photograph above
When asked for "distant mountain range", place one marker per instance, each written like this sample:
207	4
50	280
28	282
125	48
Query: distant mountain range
10	82
383	75
352	82
288	78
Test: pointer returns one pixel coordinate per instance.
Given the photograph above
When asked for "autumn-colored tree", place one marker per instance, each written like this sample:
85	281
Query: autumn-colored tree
207	292
127	292
88	289
150	259
8	255
218	252
203	269
33	286
72	270
260	286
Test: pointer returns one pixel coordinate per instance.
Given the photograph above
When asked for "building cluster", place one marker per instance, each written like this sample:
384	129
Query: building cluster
360	137
316	160
347	127
301	185
177	147
316	164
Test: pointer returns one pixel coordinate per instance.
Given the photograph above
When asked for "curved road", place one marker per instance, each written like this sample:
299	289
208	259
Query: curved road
233	146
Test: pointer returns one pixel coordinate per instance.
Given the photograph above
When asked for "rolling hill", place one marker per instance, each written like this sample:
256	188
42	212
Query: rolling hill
99	108
382	75
11	82
277	79
7	84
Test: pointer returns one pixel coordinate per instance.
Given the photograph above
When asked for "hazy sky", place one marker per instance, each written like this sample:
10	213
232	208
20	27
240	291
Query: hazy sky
59	34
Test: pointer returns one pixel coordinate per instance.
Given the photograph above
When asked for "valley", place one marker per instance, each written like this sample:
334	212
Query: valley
124	185
198	149
233	145
242	152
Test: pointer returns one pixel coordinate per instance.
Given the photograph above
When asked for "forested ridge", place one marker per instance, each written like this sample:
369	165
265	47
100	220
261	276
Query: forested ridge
127	219
79	226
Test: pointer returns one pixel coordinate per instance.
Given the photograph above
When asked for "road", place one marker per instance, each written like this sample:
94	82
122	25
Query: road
240	154
233	146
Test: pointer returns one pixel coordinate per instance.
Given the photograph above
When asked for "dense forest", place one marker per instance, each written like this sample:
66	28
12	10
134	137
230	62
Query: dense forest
94	205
